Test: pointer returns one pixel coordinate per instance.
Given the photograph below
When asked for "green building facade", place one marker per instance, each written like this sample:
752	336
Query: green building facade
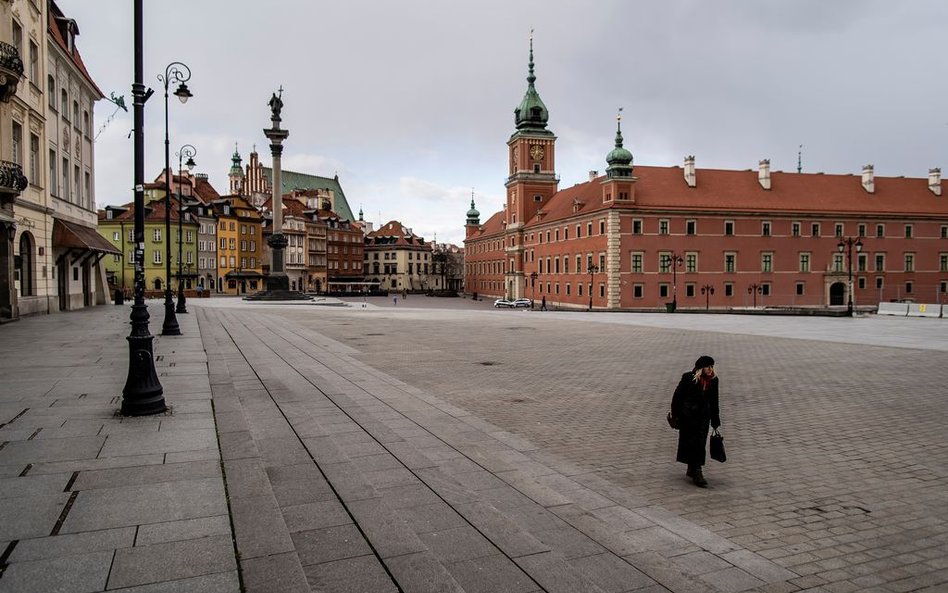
117	225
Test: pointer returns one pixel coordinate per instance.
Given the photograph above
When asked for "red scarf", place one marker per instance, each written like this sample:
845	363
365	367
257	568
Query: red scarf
704	381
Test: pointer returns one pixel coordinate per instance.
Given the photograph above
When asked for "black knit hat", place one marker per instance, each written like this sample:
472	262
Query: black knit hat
704	361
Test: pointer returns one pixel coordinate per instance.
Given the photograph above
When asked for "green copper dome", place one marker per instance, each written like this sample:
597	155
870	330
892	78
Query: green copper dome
532	114
473	216
235	169
619	158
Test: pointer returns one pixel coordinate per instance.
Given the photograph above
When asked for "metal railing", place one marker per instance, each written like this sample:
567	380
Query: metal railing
10	59
12	179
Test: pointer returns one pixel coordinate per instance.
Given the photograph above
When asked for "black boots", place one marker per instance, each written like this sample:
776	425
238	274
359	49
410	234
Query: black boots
694	472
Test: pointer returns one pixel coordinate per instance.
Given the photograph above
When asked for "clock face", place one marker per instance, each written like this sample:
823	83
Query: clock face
536	151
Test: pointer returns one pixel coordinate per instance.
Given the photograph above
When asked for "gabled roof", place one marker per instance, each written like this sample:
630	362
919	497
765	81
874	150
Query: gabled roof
235	202
154	212
291	206
394	233
204	191
292	180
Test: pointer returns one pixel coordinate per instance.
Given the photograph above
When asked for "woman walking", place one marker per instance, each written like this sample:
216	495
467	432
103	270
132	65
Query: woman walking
695	406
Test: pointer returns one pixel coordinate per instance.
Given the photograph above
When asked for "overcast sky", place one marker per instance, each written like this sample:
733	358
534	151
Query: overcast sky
411	102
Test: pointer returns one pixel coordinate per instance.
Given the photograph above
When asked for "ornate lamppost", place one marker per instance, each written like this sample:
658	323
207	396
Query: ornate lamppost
593	268
180	73
755	289
707	290
142	394
847	245
674	260
186	151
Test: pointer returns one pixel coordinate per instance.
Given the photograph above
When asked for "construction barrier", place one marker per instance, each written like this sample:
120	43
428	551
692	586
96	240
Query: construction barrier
924	310
897	309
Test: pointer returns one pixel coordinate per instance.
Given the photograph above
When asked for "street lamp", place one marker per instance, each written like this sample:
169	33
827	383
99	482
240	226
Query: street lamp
755	289
593	268
180	73
674	260
707	290
186	151
533	284
847	245
142	394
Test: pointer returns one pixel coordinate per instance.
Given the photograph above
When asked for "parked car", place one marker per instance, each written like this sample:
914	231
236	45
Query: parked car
504	303
526	303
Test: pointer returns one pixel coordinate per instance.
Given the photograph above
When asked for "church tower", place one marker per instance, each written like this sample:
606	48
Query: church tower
532	178
236	174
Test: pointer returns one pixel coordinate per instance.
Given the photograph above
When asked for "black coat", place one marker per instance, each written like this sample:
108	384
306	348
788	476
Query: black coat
695	409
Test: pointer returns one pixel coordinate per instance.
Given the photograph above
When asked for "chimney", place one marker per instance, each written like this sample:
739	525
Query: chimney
690	171
763	175
868	179
934	181
593	175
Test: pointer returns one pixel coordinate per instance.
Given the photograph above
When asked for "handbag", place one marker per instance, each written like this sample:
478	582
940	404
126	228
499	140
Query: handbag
672	421
717	447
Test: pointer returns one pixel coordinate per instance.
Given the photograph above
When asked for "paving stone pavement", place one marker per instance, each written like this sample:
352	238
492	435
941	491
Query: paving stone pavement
419	449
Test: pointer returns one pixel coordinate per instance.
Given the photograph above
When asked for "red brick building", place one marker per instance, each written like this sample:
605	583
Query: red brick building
641	237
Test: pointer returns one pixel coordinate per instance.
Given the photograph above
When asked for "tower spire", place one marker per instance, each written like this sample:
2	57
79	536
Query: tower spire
531	114
619	158
473	216
531	77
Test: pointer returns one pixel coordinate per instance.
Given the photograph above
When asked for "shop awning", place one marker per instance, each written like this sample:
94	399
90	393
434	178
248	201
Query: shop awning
76	236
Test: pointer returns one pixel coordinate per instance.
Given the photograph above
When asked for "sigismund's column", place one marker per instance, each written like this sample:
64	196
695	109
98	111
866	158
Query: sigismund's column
277	280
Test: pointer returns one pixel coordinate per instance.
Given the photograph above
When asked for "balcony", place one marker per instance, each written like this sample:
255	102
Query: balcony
11	71
12	181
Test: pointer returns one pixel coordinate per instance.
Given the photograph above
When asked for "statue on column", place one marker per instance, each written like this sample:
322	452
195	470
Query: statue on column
276	105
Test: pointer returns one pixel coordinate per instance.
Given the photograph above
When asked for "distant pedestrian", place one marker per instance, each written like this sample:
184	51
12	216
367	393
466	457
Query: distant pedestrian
543	304
695	406
395	300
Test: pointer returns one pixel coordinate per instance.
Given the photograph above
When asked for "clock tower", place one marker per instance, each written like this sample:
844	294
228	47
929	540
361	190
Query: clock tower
532	176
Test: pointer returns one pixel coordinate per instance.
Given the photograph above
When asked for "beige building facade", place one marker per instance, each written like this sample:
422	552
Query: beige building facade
399	260
47	131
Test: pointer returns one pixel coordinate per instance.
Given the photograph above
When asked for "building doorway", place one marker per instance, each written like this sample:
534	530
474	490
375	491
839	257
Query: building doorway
837	294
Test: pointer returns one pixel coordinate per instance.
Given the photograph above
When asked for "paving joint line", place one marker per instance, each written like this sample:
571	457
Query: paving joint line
328	482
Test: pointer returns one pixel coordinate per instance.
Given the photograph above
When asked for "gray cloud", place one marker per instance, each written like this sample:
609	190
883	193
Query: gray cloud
425	90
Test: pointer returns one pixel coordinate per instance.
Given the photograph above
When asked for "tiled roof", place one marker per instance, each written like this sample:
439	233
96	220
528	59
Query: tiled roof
55	33
720	190
394	233
154	212
204	191
291	206
493	225
292	180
